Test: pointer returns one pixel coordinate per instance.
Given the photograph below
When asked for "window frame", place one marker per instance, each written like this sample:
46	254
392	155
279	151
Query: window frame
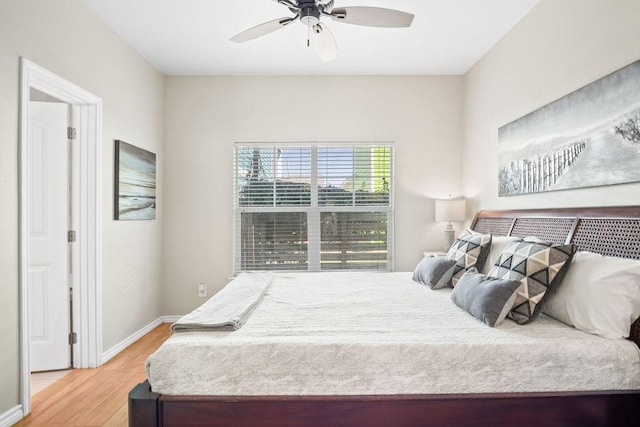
314	210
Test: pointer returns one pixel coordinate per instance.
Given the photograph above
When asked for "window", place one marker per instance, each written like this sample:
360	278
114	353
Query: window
313	207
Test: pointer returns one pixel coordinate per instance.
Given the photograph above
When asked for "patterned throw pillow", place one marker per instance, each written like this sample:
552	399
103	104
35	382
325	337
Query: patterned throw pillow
469	250
539	266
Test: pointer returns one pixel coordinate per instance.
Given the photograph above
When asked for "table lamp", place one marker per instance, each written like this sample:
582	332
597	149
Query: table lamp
450	210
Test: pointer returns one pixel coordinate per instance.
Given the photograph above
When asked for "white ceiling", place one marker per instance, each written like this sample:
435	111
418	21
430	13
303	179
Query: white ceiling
191	37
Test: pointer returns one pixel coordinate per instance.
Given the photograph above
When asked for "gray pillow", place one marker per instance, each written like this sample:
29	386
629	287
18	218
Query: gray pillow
486	298
435	272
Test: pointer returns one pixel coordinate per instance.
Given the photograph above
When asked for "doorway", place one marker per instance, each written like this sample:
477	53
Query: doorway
59	228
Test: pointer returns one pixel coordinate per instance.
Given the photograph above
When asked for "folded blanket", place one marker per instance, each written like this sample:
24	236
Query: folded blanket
230	308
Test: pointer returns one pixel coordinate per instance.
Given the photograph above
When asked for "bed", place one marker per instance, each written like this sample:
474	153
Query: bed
612	231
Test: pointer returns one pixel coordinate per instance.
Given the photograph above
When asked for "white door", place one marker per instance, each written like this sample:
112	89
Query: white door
48	219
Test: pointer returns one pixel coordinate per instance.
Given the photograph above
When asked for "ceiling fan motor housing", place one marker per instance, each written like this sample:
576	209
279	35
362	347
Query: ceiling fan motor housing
309	12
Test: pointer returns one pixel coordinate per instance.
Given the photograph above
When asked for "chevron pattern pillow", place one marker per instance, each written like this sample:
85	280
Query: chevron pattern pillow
470	250
539	266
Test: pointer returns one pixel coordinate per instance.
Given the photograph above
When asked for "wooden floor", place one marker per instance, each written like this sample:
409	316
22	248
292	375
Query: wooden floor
96	397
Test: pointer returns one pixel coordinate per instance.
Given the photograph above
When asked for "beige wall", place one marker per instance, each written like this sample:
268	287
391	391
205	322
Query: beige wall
204	116
66	38
560	46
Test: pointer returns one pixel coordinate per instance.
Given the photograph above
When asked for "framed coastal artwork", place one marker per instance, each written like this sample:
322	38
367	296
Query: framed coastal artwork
135	183
588	138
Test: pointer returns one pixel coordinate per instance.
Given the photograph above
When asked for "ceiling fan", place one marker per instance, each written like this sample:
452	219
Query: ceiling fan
309	12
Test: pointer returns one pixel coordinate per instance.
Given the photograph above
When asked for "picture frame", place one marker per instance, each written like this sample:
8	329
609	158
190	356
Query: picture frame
134	182
588	138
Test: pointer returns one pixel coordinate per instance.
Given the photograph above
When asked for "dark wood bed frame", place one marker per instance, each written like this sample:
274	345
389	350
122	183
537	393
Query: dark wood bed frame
613	231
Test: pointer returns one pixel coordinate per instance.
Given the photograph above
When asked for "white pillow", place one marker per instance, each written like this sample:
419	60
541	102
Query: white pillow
498	243
599	295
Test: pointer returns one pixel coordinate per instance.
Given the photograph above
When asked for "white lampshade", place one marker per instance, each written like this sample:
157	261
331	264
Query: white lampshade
451	210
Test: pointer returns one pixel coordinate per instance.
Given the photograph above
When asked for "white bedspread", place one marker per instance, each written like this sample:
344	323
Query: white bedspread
382	333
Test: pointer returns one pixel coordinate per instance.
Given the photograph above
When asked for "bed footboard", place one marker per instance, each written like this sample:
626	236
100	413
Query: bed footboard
579	409
143	406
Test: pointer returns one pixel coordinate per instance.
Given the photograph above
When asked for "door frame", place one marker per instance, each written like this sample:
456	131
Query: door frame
87	218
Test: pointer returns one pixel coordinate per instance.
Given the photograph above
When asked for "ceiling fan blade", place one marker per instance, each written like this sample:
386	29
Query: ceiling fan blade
290	4
261	30
323	43
372	16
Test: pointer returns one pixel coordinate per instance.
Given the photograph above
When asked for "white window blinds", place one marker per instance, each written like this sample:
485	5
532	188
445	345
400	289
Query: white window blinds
313	207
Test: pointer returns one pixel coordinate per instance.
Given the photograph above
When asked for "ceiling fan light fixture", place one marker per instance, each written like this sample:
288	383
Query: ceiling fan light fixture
309	20
309	16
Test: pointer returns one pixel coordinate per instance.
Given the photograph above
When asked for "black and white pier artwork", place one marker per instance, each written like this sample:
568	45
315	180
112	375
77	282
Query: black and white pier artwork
588	138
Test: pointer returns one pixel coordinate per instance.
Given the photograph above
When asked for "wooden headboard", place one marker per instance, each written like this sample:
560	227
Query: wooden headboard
612	231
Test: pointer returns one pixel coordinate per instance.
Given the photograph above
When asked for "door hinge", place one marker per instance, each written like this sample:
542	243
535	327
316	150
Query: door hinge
71	133
73	338
71	236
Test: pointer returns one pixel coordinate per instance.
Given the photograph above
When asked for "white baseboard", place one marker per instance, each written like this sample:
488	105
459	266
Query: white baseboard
113	351
11	416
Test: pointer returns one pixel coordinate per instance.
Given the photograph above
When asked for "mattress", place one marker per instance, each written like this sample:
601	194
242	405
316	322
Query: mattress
382	333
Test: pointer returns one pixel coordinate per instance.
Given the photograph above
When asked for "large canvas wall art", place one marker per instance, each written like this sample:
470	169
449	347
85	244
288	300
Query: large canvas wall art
135	182
588	138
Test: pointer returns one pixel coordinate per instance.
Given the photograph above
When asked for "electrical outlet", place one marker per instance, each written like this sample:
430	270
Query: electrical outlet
202	290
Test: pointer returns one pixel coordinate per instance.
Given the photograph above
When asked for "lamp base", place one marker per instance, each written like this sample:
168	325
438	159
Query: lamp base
449	237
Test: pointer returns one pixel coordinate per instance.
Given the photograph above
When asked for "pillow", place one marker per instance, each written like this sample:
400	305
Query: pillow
539	266
486	298
434	272
469	250
599	295
498	244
